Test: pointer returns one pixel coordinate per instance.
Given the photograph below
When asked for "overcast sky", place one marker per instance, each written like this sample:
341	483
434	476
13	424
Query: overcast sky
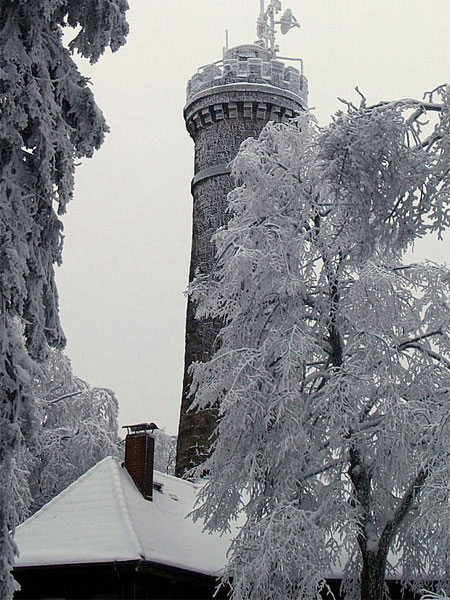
127	244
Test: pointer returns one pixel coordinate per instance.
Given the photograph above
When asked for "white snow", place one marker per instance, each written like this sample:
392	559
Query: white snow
103	517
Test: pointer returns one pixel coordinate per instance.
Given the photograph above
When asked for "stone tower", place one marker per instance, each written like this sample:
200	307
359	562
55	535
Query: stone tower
227	102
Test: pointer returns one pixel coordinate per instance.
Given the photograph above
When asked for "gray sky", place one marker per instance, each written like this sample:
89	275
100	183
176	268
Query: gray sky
127	246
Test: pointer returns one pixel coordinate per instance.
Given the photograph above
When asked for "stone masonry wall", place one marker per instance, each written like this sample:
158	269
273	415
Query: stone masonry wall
219	119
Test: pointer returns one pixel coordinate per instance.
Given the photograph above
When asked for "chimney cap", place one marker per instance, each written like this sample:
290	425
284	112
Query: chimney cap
139	427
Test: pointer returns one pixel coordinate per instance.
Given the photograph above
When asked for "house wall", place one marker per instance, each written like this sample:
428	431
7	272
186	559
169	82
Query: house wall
133	581
119	581
70	582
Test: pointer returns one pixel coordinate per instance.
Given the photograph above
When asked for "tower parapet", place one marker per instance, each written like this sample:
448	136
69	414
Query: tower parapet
249	63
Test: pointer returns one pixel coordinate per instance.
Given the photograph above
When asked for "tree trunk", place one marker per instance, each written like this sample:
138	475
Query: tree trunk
372	576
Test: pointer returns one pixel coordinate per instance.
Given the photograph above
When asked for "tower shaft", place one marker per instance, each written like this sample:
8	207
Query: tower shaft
226	104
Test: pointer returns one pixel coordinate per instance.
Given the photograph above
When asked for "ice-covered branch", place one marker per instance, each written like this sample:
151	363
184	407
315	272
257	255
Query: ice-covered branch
64	397
428	352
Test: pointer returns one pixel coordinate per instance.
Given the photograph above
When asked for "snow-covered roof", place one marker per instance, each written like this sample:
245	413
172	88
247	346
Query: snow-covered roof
102	517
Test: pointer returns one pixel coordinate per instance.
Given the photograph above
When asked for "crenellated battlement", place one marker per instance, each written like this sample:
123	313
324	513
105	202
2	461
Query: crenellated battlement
249	64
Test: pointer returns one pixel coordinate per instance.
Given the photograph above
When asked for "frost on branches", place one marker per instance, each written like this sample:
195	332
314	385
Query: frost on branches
165	451
333	371
48	120
78	427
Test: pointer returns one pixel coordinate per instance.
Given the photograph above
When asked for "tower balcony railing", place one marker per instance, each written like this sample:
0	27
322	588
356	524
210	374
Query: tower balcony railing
238	66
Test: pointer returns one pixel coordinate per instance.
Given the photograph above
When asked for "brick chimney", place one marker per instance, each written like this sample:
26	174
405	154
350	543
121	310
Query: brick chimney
139	456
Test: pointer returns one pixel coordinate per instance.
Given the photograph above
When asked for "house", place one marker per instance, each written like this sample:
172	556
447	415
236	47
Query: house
123	531
120	531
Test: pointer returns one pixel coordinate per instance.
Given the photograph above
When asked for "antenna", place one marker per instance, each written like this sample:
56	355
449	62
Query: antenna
287	21
225	48
265	27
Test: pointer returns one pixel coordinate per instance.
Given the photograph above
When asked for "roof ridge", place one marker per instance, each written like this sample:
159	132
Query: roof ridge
122	502
65	491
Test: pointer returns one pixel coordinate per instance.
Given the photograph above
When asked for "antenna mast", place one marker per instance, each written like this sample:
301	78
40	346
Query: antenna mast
265	28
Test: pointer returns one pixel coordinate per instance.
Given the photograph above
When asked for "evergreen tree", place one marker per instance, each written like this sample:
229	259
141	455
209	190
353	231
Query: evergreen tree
48	120
333	367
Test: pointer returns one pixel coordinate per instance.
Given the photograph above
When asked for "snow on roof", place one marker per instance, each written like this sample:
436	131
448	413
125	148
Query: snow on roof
102	517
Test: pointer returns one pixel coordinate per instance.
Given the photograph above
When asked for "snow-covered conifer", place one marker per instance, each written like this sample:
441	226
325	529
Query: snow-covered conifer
332	371
48	120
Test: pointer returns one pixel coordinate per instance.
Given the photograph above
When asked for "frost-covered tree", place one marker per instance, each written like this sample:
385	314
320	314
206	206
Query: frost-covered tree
78	427
48	120
165	451
435	596
333	366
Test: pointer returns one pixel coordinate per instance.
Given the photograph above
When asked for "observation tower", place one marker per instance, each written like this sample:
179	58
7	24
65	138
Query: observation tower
226	102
